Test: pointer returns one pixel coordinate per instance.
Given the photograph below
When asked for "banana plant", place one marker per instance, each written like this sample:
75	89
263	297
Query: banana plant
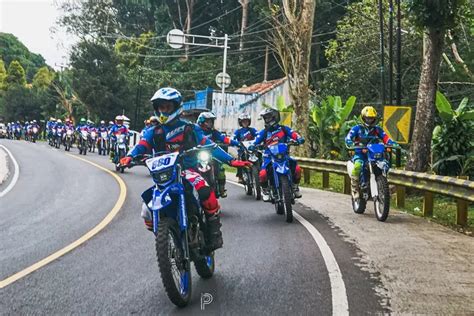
329	124
452	142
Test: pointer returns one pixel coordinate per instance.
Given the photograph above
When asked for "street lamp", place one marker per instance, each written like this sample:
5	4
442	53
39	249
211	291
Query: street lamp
176	39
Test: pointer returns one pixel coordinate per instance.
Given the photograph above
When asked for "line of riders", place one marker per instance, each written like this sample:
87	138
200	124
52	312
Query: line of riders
88	136
30	131
186	161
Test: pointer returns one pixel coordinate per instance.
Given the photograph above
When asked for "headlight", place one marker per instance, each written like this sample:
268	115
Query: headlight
204	156
162	177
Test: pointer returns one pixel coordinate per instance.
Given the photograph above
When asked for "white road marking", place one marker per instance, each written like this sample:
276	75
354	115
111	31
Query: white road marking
340	305
16	173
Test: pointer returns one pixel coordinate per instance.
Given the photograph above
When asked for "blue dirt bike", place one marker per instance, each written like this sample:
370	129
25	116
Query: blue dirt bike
178	223
373	183
280	179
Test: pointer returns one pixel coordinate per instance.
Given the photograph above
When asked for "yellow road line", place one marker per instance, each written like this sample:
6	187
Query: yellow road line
110	216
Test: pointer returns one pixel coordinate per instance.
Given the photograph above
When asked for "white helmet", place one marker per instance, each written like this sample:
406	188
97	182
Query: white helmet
244	116
167	94
59	121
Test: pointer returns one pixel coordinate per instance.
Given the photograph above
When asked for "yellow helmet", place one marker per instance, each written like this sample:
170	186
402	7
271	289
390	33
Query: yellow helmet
369	116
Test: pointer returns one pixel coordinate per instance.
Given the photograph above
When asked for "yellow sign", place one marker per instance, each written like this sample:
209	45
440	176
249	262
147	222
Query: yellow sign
396	123
286	118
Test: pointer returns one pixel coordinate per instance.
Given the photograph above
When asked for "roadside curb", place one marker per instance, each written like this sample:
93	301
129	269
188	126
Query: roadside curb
4	164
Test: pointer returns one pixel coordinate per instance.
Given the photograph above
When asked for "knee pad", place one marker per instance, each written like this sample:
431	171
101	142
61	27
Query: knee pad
210	205
262	176
357	168
297	174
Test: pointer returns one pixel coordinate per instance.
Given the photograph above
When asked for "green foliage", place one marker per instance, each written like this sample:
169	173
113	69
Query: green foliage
329	126
453	145
98	81
16	74
12	49
43	78
435	14
354	60
3	76
22	103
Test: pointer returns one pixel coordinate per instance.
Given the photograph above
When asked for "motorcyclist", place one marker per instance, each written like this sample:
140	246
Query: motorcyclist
102	127
206	122
117	128
244	133
360	135
272	134
82	126
176	135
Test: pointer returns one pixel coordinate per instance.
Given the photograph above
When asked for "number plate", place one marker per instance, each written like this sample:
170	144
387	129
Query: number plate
162	162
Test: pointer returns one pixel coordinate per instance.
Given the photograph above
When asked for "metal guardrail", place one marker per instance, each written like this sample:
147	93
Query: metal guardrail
460	189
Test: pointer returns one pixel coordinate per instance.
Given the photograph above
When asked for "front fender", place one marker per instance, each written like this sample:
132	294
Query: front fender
281	167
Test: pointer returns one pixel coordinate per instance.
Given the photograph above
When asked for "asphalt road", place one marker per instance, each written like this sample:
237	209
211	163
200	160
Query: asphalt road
267	266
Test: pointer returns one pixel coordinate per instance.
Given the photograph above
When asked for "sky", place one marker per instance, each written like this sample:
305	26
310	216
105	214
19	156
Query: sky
31	22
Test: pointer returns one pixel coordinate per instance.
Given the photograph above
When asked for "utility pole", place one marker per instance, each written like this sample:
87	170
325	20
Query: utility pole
399	54
390	52
382	52
398	161
176	39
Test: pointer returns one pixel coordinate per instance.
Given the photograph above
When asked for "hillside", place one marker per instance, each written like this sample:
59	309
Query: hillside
11	48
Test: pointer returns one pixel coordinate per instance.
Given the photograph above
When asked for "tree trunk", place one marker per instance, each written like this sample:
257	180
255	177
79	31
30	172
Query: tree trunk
245	11
301	99
420	149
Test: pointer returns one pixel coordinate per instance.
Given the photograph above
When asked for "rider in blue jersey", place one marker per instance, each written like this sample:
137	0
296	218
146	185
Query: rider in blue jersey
177	135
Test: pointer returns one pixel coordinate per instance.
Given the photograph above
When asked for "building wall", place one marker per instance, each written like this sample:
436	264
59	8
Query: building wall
237	103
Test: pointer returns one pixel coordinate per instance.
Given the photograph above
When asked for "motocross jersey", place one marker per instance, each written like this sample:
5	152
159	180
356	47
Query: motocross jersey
362	134
81	128
277	134
177	136
245	134
217	137
118	129
102	129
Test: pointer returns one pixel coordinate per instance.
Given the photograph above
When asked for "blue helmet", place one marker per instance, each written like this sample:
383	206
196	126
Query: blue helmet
167	94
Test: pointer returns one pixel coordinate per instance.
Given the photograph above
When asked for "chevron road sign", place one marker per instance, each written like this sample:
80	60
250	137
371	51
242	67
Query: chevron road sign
396	123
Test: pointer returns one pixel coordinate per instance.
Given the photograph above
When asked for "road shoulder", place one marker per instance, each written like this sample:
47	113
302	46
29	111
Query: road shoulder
425	267
4	166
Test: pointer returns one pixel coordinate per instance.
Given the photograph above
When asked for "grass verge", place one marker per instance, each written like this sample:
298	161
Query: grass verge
444	208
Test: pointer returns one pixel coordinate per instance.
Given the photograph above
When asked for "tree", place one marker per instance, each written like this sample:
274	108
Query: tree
354	59
292	43
12	49
97	80
43	78
3	76
434	18
16	74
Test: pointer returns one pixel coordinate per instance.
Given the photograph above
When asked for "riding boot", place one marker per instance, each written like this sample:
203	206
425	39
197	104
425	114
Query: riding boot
296	191
222	189
355	187
213	233
265	194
